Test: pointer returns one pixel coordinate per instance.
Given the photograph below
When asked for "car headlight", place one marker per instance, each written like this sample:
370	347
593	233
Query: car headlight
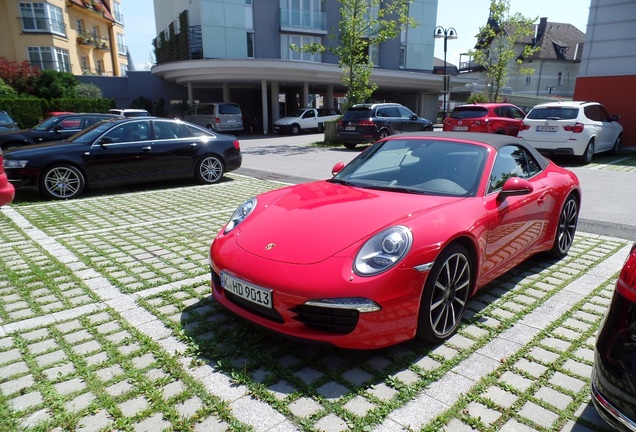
383	251
11	163
240	214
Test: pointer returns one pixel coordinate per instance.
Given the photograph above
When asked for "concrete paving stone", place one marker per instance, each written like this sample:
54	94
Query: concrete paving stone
516	308
406	376
60	371
152	424
288	360
109	373
50	358
13	369
31	421
119	388
516	380
211	424
357	376
129	348
378	362
581	315
308	375
87	347
188	408
537	414
456	425
553	397
14	306
588	413
34	335
96	359
577	368
131	407
21	314
5	343
119	337
144	361
460	342
26	401
71	386
331	423
108	327
544	356
513	425
304	407
500	397
172	389
531	368
474	331
80	402
156	374
445	352
359	406
489	322
586	354
427	364
483	413
10	356
332	391
577	324
567	333
281	389
567	382
69	326
382	391
52	307
7	388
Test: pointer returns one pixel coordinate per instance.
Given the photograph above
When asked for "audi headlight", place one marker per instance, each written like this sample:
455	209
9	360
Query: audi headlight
383	251
11	163
240	214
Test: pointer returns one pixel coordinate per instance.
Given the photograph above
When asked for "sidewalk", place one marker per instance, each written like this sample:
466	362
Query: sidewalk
107	323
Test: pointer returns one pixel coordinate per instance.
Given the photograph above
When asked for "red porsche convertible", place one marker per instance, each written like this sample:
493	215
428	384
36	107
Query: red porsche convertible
395	243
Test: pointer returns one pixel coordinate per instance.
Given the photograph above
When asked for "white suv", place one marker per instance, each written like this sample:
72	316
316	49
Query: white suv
572	128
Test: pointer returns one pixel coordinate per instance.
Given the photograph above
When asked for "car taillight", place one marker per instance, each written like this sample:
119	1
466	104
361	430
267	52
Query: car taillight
574	128
217	120
626	285
340	122
524	126
236	144
366	122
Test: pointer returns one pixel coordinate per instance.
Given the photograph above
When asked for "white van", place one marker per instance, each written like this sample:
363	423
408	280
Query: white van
219	117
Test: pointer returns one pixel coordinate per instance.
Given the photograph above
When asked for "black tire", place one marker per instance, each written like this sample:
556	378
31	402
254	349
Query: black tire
350	146
618	146
587	156
295	129
62	182
209	169
564	236
383	134
445	294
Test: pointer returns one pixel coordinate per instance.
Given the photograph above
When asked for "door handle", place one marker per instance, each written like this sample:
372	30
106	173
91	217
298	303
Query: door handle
193	144
148	148
541	200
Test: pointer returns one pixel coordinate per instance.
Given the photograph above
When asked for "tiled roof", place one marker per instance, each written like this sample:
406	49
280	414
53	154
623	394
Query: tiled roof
558	41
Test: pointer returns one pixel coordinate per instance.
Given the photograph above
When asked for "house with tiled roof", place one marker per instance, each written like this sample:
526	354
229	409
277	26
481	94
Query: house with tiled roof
556	64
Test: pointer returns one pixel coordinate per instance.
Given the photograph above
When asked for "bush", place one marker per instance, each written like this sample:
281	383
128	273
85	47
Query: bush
30	111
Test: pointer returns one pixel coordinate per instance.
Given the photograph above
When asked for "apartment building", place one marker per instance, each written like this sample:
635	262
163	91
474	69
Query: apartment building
83	37
239	51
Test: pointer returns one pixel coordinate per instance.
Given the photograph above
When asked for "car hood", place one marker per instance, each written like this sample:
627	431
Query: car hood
308	223
287	119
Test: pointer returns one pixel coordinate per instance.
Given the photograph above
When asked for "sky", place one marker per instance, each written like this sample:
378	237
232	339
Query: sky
465	16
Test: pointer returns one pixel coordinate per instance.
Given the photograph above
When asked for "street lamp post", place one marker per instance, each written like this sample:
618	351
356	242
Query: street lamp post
449	33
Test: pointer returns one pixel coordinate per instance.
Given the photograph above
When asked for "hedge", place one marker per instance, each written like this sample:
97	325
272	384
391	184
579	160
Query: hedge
30	111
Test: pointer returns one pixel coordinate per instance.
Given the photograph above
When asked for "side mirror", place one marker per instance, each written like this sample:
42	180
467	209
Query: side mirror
414	117
105	140
616	118
57	128
515	186
337	168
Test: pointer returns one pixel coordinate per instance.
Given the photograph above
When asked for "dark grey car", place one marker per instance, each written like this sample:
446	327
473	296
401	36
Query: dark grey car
367	123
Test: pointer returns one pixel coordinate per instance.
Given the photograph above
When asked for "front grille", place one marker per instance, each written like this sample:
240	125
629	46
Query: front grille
332	320
270	314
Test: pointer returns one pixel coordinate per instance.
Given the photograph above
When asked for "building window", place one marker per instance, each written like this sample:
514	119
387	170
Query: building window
49	58
121	46
528	80
402	57
99	66
374	54
299	40
119	17
560	78
250	45
43	18
302	13
84	64
123	70
248	2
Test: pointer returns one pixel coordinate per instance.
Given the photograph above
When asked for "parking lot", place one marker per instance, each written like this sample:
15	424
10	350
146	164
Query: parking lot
107	323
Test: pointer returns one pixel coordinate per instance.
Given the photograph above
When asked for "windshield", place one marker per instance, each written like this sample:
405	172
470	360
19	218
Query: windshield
556	113
425	166
90	134
469	112
48	123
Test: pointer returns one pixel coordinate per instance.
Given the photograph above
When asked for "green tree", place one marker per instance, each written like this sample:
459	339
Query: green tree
6	91
53	84
497	50
363	24
88	91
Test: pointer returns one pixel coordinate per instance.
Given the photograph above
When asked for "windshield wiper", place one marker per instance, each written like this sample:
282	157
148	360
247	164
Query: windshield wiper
403	189
342	182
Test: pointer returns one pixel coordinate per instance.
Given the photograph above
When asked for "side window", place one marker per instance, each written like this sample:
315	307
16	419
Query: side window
500	112
392	112
605	115
512	161
70	123
405	113
381	112
592	113
129	132
517	113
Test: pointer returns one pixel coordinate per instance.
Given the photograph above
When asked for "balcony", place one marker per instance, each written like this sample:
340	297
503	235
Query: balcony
306	22
92	41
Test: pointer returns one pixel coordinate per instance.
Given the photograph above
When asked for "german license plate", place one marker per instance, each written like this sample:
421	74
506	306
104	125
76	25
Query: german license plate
460	128
252	293
350	128
546	128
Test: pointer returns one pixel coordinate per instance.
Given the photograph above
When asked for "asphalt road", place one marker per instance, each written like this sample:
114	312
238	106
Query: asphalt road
609	197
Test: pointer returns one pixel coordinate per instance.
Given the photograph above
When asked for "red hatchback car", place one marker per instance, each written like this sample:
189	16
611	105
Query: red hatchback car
498	118
7	191
431	217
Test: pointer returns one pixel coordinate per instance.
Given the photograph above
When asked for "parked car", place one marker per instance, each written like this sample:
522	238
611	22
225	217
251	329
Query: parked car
7	191
53	128
424	220
367	123
220	117
7	122
576	128
613	383
305	119
123	151
129	112
497	118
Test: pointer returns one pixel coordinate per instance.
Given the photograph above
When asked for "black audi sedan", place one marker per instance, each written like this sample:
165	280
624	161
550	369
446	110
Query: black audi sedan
123	151
614	372
53	128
